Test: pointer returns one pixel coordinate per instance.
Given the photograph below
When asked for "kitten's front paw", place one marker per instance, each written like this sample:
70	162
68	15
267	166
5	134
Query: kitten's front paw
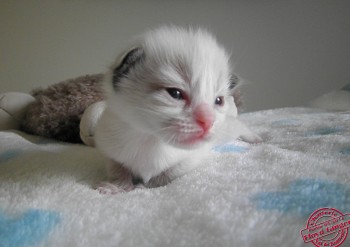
109	188
251	138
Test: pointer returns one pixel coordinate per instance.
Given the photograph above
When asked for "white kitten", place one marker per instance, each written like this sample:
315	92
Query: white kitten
167	99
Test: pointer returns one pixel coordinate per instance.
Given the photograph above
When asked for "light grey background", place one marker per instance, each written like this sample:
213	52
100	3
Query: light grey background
287	51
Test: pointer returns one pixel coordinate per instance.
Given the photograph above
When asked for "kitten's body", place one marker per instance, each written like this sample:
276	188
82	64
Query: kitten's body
168	100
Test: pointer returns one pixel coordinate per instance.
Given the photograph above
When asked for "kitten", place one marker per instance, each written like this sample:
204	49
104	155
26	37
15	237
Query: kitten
167	102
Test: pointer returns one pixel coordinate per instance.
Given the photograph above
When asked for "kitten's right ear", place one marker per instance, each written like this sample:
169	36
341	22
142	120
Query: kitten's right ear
128	62
234	81
234	90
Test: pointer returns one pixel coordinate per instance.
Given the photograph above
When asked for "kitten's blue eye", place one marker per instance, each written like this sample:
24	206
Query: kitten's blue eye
175	93
219	101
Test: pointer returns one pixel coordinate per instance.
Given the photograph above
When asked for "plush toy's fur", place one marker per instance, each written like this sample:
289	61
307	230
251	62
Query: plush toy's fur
57	111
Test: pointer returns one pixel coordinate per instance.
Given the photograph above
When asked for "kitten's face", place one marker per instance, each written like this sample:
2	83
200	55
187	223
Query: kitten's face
176	87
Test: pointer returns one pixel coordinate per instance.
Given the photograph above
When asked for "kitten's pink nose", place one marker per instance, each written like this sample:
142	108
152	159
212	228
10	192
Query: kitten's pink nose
204	116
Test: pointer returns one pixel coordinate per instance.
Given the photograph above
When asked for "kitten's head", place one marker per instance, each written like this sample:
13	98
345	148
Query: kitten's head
176	84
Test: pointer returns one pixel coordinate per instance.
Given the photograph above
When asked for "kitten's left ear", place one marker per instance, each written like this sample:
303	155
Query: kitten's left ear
128	62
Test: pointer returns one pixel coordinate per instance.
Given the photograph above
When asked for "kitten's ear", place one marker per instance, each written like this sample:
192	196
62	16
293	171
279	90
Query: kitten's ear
128	62
234	81
234	90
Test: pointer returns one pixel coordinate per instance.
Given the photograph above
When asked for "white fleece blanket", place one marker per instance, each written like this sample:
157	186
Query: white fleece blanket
244	195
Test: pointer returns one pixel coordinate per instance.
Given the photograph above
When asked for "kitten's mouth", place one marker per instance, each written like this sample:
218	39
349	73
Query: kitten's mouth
188	134
193	140
194	137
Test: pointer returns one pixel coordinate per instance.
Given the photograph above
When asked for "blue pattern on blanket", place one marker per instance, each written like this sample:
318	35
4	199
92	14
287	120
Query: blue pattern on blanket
325	131
9	154
345	151
304	196
30	228
230	148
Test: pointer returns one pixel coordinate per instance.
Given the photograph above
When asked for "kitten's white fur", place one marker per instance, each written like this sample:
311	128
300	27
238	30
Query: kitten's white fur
144	131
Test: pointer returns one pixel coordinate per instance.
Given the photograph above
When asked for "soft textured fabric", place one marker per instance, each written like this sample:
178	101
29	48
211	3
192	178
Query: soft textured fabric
243	195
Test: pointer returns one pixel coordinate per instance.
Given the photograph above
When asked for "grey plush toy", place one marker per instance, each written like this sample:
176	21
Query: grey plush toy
58	109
